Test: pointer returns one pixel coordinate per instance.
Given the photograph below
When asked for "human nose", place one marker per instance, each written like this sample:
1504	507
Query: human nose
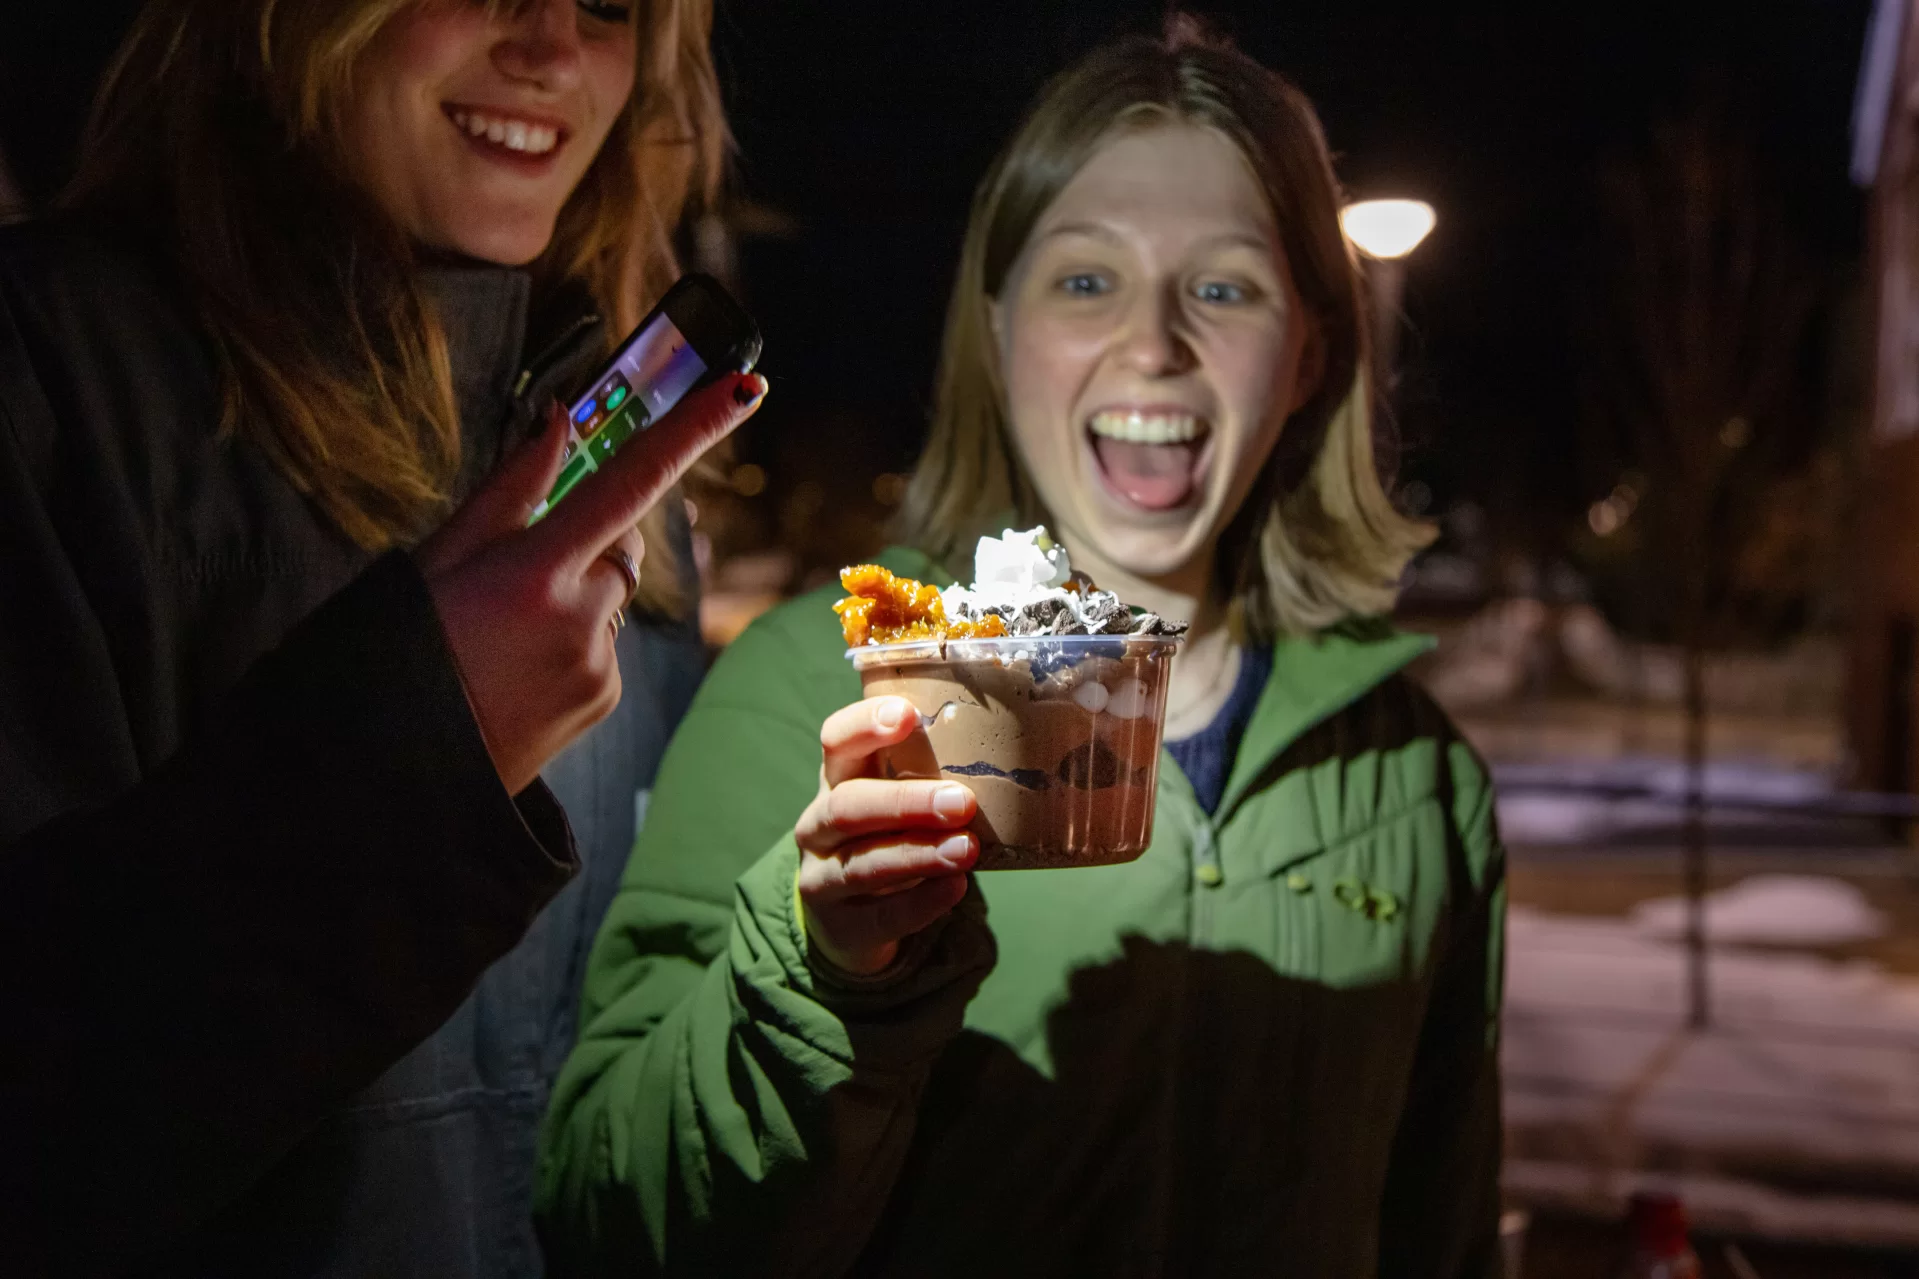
1150	340
542	44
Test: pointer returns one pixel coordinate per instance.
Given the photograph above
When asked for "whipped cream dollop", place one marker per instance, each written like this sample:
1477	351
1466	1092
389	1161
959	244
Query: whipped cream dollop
1026	579
1017	561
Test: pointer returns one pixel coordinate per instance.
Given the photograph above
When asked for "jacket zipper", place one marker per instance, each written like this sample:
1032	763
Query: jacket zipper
1203	872
1207	877
549	355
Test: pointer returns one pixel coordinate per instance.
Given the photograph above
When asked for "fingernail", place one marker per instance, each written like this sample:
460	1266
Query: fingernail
949	802
749	389
954	848
891	715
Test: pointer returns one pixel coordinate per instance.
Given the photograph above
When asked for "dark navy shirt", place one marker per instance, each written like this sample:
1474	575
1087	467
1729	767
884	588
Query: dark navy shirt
1206	757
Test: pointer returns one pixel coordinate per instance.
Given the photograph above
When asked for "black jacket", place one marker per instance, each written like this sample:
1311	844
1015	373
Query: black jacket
254	848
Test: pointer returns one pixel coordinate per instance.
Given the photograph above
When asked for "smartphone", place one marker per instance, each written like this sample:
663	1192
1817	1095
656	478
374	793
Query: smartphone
695	334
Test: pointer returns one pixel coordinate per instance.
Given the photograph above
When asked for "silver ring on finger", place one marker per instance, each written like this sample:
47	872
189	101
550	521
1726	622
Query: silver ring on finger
628	566
617	622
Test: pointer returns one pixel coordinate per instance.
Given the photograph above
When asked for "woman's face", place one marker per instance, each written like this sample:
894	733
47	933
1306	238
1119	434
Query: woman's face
472	130
1152	348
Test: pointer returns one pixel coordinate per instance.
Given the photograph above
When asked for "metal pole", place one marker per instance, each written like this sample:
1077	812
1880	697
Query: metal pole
1698	986
1388	277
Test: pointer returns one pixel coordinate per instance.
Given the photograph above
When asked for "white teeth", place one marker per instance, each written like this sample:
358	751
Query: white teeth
515	135
1146	428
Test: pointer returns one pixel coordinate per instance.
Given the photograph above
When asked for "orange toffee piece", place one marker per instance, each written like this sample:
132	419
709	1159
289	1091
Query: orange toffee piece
880	608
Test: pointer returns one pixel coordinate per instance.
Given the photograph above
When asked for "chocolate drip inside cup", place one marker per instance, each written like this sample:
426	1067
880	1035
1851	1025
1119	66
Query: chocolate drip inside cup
1059	738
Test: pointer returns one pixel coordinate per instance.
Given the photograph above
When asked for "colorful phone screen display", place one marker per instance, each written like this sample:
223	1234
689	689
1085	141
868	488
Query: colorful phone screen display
657	367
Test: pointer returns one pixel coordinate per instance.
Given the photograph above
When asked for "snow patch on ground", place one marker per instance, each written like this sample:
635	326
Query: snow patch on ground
1772	910
1809	1062
1540	802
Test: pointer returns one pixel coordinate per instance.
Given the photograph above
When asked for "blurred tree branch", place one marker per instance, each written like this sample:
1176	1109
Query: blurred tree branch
1697	352
1701	329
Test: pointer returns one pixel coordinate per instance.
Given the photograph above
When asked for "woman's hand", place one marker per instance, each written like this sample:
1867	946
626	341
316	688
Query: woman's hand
879	859
529	612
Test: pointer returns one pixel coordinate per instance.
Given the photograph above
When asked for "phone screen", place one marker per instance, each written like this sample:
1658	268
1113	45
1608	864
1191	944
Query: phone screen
656	368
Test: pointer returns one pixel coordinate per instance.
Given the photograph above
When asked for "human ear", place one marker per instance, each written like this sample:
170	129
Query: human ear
995	352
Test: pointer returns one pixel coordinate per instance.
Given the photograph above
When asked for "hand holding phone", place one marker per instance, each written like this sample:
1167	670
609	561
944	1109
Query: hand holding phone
527	611
697	333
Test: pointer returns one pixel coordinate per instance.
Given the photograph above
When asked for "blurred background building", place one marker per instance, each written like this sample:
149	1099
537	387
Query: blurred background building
1884	676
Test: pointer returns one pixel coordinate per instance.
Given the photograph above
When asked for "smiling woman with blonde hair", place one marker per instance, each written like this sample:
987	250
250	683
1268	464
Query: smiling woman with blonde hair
814	1042
290	967
260	138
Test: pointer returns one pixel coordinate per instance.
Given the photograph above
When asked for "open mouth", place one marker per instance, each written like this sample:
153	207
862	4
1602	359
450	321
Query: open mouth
1151	458
508	137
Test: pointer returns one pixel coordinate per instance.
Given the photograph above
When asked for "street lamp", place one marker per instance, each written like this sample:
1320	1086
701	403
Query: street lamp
1385	231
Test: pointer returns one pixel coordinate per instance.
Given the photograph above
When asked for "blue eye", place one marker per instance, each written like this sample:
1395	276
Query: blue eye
1083	285
1220	291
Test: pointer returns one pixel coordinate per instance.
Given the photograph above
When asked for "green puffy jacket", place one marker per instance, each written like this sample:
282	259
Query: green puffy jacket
1266	1047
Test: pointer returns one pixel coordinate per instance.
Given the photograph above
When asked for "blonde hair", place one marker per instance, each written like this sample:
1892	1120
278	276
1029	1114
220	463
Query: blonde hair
1318	541
215	133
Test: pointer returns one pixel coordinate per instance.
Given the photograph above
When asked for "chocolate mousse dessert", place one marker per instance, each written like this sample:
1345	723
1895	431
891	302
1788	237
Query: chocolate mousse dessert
1044	694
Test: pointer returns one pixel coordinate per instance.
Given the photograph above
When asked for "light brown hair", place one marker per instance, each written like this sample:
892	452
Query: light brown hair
1317	541
215	132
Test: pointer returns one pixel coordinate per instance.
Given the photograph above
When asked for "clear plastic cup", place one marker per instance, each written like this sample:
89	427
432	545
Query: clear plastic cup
1058	736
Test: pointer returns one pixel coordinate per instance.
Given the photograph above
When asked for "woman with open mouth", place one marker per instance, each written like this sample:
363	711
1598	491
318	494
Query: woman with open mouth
813	1042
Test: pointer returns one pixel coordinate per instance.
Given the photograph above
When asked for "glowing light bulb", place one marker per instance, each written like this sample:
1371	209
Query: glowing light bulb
1387	228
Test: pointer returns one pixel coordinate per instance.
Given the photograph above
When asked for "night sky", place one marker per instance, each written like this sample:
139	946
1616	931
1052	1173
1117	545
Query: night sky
868	124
